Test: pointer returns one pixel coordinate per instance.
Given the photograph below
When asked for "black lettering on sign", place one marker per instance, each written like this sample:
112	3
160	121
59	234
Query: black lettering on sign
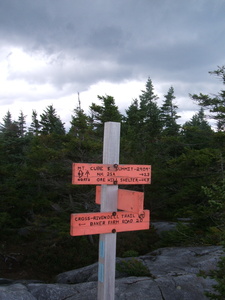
111	174
113	222
127	221
83	179
128	216
86	218
102	179
99	223
96	168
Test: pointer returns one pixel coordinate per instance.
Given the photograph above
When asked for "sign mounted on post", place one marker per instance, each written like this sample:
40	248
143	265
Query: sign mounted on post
108	222
127	200
110	174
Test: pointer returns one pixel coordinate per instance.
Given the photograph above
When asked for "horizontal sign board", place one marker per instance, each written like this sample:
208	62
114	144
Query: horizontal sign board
127	200
108	222
110	174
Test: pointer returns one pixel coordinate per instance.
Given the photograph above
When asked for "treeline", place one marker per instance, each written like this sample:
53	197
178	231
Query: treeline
187	160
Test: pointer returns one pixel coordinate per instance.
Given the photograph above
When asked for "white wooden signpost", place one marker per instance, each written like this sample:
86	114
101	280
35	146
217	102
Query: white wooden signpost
109	221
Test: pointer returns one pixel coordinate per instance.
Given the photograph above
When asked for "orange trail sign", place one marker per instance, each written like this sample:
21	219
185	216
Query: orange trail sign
108	222
110	174
127	200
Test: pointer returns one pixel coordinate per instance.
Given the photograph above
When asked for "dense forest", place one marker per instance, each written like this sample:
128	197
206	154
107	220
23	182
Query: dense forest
37	196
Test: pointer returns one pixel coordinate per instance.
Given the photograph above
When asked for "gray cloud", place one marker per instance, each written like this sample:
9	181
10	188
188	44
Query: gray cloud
86	41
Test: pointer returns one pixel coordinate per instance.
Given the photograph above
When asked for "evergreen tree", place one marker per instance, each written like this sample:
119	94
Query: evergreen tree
143	125
197	132
132	121
130	133
133	114
21	124
216	104
9	127
50	122
80	124
7	122
35	125
106	112
149	113
169	114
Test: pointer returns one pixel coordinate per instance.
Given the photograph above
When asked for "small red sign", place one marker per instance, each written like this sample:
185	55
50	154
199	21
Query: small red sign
127	200
108	222
110	174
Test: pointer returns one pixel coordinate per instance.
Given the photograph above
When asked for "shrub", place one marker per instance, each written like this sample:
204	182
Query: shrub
219	276
133	267
130	253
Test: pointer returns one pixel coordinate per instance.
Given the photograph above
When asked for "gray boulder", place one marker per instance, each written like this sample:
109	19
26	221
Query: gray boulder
163	226
186	287
81	291
89	273
175	261
174	276
85	274
15	291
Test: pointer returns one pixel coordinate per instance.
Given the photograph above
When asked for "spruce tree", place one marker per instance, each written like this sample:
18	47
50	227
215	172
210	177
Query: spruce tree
9	127
197	133
21	124
169	114
150	113
35	124
107	112
80	124
215	104
50	122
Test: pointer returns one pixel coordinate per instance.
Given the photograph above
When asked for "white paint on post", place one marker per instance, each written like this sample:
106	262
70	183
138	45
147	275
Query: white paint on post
109	195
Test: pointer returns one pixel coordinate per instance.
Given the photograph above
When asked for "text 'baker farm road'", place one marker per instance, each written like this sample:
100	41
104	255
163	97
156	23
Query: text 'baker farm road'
108	222
83	173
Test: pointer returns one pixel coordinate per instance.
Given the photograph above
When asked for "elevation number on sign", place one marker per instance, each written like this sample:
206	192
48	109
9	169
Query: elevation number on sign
110	174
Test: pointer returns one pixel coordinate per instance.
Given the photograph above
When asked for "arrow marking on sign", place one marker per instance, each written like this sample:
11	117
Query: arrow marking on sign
107	222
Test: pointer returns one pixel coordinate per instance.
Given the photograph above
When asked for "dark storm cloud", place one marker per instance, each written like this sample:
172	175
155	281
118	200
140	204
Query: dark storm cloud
116	40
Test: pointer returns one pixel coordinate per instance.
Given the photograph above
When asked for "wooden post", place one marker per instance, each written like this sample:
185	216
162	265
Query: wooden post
109	194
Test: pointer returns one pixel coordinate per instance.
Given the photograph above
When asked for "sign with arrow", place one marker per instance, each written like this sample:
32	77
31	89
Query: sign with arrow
108	222
110	174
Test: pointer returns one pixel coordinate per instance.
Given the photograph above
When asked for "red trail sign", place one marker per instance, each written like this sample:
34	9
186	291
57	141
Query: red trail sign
110	174
127	200
108	222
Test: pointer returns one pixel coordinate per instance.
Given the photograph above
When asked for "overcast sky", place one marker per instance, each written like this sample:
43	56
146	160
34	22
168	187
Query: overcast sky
52	49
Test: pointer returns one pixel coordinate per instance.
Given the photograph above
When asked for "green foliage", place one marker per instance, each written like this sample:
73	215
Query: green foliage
52	255
182	235
50	122
150	119
107	112
130	253
216	200
133	267
169	114
183	177
216	103
37	197
5	220
219	276
140	242
197	132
